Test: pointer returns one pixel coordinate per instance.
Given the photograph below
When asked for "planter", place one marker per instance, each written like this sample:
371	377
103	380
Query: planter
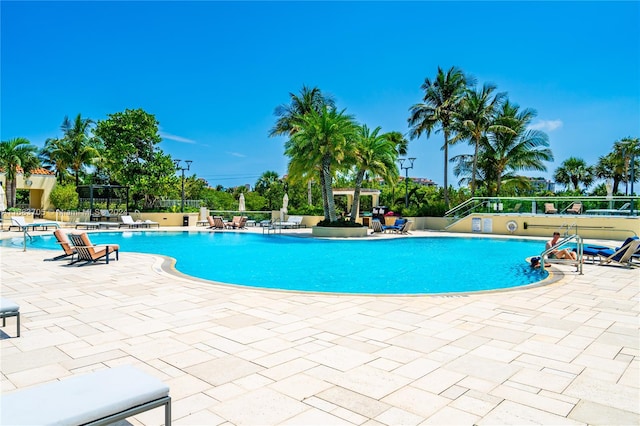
328	232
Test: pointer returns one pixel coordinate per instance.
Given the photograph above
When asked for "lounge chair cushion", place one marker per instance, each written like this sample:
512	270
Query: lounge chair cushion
81	399
8	306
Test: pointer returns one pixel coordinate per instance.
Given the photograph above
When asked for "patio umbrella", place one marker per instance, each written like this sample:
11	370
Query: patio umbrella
3	199
285	203
241	205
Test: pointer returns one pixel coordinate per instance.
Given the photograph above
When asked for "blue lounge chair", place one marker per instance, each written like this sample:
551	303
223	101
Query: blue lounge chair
396	227
621	255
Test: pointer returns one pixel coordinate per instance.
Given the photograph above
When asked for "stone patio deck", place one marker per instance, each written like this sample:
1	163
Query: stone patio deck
565	353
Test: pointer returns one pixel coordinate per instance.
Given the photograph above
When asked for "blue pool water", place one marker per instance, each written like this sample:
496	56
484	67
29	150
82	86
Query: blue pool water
389	266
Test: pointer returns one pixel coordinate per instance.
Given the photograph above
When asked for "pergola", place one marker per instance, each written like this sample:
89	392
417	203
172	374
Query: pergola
103	193
364	192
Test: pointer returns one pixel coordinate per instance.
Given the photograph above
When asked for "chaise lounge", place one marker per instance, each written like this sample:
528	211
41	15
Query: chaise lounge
9	309
65	245
90	253
102	397
622	255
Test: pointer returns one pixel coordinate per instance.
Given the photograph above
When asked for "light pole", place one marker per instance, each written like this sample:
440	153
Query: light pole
406	179
177	163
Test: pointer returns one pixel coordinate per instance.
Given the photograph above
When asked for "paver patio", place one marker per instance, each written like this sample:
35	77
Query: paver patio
565	353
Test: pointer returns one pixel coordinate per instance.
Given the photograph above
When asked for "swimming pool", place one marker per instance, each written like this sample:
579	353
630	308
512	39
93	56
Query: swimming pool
390	266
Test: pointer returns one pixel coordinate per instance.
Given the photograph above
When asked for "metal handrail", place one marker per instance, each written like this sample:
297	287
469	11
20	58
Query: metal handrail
565	240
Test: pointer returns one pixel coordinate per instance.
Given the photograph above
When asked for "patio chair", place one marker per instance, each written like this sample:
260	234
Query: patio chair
376	225
621	255
396	227
9	309
22	225
90	253
62	239
235	223
576	208
550	208
129	222
215	222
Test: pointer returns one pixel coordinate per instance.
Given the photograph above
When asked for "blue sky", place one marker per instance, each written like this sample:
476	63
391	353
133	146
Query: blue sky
213	72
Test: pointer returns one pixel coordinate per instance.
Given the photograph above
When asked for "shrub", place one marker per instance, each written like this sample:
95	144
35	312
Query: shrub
64	197
340	223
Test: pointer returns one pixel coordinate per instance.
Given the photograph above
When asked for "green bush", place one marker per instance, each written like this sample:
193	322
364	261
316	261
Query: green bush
64	197
340	223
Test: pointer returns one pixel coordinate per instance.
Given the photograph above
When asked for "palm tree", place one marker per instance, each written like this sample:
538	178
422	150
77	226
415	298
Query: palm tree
611	167
53	158
310	99
626	149
17	153
375	153
476	119
441	102
320	143
79	148
511	147
574	171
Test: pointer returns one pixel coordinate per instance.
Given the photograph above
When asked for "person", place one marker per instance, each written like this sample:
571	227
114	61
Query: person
559	254
535	262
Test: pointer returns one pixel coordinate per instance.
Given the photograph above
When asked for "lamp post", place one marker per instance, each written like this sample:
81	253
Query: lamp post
177	163
406	179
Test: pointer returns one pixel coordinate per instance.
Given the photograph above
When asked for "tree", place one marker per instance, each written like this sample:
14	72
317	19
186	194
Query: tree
130	140
441	103
310	99
626	149
610	166
511	147
321	142
271	188
375	153
475	119
52	158
78	149
17	153
574	171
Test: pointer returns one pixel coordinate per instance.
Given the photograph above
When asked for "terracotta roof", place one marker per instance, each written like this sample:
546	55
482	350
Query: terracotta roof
38	171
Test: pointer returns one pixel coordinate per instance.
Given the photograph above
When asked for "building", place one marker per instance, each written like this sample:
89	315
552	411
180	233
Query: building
40	183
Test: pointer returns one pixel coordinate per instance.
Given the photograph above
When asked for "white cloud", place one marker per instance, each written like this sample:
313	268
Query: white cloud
169	136
547	125
236	154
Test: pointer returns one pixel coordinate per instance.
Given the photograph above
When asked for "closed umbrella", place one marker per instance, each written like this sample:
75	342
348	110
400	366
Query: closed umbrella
3	199
241	205
285	203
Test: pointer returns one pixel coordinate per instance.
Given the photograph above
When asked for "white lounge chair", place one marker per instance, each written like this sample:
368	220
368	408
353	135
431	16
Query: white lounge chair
22	225
128	221
9	309
102	397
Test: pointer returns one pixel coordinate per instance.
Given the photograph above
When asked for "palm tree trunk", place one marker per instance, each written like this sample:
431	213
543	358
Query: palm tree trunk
446	169
356	195
328	190
475	168
325	204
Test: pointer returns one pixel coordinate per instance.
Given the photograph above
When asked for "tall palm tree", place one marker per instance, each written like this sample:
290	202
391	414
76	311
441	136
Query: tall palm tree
17	153
574	171
441	102
475	119
309	99
626	149
53	158
79	148
374	153
511	147
321	143
610	166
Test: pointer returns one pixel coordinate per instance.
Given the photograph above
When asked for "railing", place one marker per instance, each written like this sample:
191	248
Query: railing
567	238
592	205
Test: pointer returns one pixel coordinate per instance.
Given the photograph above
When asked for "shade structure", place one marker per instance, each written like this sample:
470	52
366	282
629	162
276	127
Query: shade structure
285	203
241	205
3	199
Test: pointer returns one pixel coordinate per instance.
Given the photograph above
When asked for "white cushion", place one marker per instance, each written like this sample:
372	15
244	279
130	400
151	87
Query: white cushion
7	305
81	399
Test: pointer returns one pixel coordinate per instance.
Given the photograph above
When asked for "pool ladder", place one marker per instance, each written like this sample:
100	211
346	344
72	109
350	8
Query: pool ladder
562	242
